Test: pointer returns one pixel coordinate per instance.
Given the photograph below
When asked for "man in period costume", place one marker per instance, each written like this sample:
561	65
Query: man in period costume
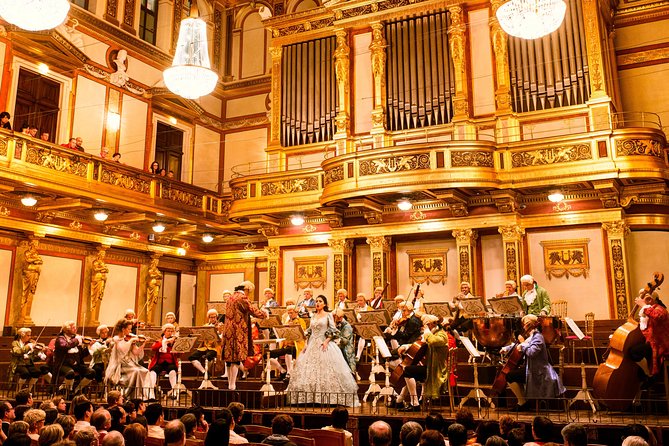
535	298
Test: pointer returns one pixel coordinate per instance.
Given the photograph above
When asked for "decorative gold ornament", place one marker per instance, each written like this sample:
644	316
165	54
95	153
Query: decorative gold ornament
310	272
564	258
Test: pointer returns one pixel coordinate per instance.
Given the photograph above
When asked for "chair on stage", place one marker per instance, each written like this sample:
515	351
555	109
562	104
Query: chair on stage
559	310
589	337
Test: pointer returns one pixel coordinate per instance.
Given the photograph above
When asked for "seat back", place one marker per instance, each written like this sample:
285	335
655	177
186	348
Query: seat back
327	438
559	308
257	433
302	441
589	325
152	441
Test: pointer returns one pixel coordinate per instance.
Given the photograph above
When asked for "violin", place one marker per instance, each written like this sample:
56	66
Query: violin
36	345
136	339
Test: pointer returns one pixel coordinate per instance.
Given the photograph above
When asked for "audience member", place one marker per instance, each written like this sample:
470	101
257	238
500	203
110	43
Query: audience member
516	437
170	174
465	417
118	419
20	410
542	431
487	429
134	435
575	434
226	415
60	404
114	398
495	440
410	433
51	434
218	433
32	131
154	168
24	397
104	153
80	144
35	419
202	425
113	438
67	423
339	419
237	410
457	435
18	427
116	157
101	421
162	172
175	433
281	426
86	437
506	423
154	417
189	423
7	415
380	434
82	413
431	437
18	440
72	144
633	440
4	120
434	421
25	129
639	430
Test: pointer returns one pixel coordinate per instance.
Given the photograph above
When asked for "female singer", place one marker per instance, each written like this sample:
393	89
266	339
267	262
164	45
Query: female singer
124	368
321	374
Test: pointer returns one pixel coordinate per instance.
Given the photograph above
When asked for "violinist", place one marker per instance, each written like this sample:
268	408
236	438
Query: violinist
164	361
654	324
132	316
98	350
434	373
377	301
345	338
124	368
208	349
406	329
23	352
68	357
540	378
342	299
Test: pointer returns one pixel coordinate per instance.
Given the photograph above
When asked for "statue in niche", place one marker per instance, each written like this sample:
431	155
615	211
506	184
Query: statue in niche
98	282
153	288
32	268
120	77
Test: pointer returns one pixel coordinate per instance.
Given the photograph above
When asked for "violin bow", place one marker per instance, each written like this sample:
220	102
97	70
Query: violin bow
42	330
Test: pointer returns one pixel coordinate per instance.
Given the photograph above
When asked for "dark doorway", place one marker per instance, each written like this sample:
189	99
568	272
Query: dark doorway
169	148
37	103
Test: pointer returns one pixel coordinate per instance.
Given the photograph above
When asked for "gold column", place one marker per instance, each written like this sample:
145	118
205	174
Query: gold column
341	250
31	269
615	235
378	55
501	58
512	237
465	241
129	16
273	268
343	120
111	12
380	247
457	43
275	120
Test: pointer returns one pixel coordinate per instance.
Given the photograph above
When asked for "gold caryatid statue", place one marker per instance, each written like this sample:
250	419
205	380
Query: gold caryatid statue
153	288
32	267
98	281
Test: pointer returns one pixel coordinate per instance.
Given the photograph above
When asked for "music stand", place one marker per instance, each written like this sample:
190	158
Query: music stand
181	345
151	333
508	305
473	307
268	388
291	333
378	317
439	309
270	321
390	305
278	311
350	315
206	334
370	331
219	306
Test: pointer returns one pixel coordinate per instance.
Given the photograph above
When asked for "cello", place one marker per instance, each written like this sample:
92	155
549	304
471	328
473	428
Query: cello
616	381
412	356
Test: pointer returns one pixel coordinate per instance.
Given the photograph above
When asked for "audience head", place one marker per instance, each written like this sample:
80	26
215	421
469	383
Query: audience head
380	434
51	415
410	433
431	437
113	438
639	430
118	418
434	421
175	433
140	405
218	433
465	417
86	436
190	423
67	423
487	429
18	440
20	410
114	397
516	437
134	435
237	410
339	417
506	423
60	404
495	441
18	427
7	411
101	420
575	434
22	397
542	429
154	413
634	440
35	419
116	157
51	434
457	434
83	410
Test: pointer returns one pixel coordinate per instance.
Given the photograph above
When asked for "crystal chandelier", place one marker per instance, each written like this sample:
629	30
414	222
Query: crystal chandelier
190	75
531	19
34	15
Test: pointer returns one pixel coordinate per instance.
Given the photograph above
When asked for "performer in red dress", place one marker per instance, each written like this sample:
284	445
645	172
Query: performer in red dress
654	324
164	361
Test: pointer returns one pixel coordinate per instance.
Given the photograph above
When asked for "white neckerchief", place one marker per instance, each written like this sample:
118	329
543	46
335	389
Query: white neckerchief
643	318
530	296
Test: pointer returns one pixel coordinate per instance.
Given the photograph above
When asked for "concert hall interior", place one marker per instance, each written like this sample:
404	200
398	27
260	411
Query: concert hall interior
346	145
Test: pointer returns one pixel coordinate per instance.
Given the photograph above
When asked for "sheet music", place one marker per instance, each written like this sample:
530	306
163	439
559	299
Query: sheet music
384	351
469	346
574	328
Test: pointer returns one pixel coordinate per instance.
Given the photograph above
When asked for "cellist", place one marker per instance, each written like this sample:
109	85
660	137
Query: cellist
654	324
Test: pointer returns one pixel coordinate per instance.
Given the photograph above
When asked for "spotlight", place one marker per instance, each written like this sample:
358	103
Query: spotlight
207	238
297	220
101	215
556	196
404	204
28	200
158	227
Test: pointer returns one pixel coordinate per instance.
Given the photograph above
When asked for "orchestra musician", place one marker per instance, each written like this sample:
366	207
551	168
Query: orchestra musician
67	358
132	316
289	349
124	367
171	318
307	302
540	378
164	361
535	298
465	293
97	350
406	329
24	349
399	300
270	302
208	349
345	338
360	306
654	324
342	299
435	372
510	289
377	301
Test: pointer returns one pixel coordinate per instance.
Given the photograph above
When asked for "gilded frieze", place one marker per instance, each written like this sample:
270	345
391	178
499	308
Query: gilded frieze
643	57
393	164
620	284
112	8
460	158
511	261
129	13
634	147
169	192
291	186
3	147
552	155
133	183
239	193
72	164
218	38
334	174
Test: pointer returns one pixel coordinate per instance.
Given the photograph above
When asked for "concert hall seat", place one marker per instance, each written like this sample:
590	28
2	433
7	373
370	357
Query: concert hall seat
301	441
257	433
589	332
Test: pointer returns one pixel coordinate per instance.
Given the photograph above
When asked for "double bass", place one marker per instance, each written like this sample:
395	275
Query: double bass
617	381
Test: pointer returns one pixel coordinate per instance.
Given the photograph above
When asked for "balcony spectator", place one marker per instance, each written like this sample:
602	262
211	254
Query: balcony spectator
162	172
32	131
155	168
104	152
80	144
4	120
72	145
116	157
170	174
25	129
45	136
